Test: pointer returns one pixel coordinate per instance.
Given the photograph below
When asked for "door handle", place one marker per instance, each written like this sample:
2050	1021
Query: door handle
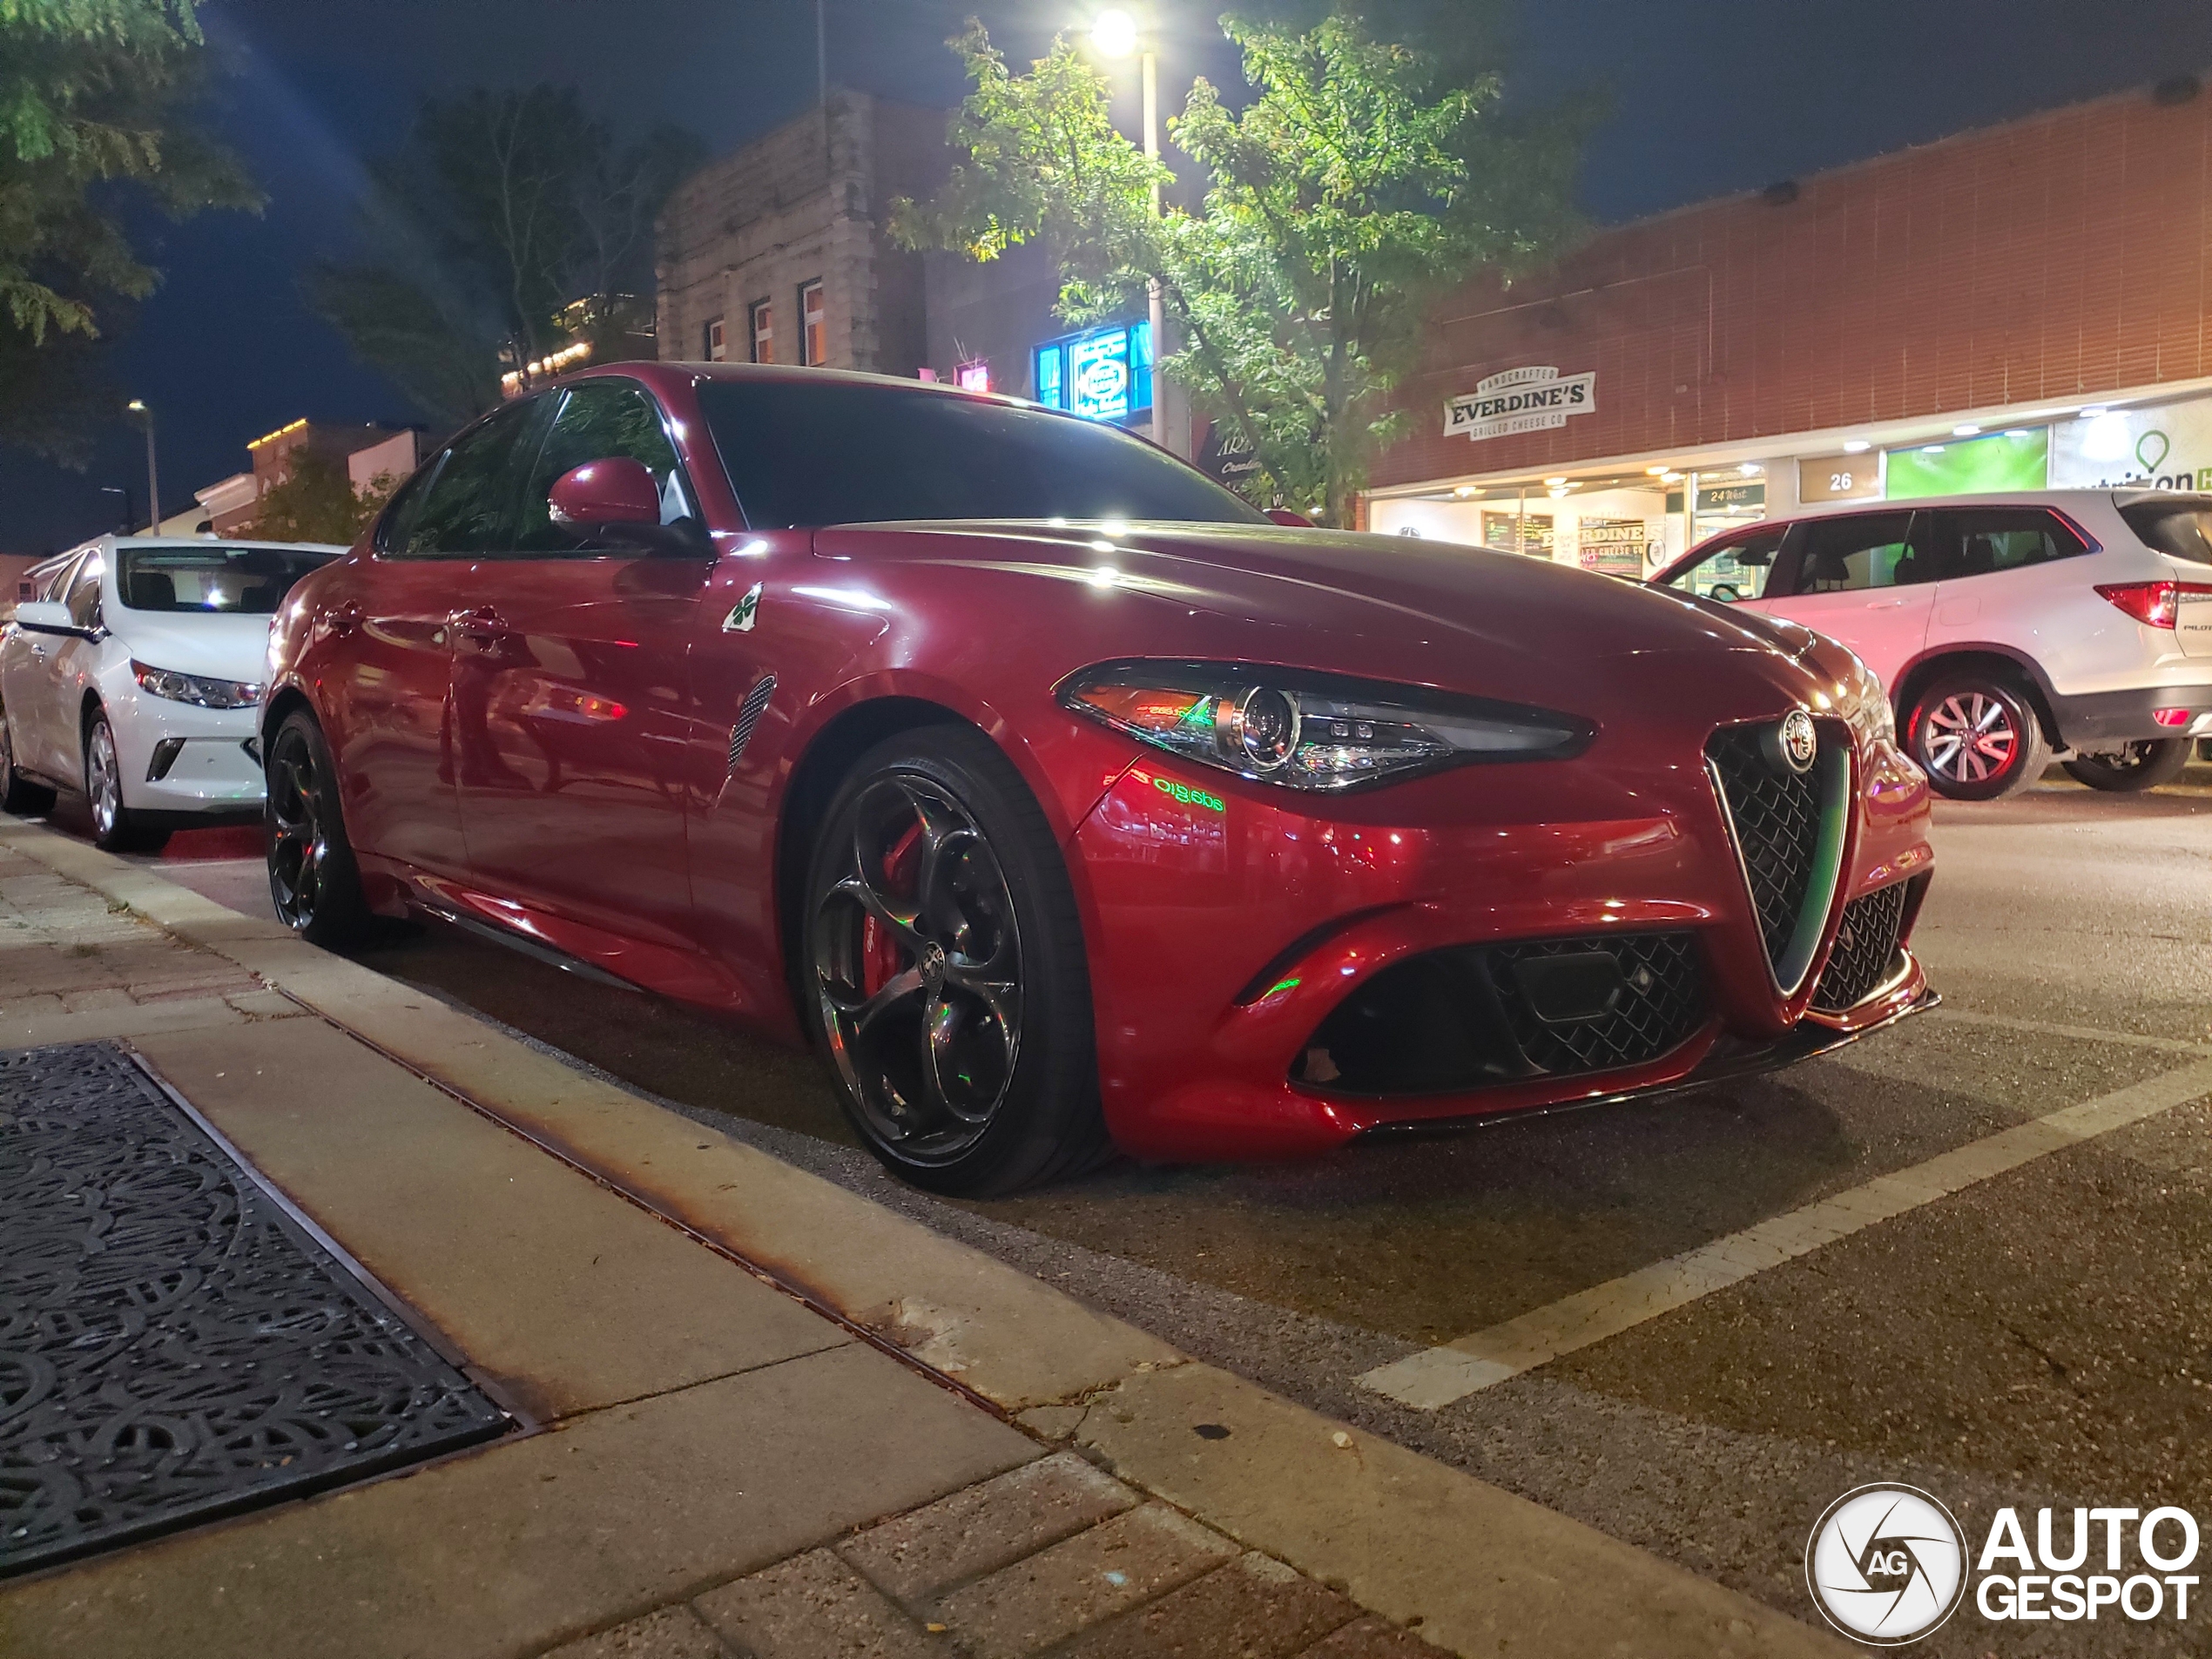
1888	604
483	625
345	618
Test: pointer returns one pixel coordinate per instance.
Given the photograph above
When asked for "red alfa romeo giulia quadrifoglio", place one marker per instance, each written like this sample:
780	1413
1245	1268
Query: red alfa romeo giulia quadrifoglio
1061	798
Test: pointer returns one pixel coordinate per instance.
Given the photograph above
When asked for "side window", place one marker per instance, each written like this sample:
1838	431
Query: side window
468	505
1864	551
596	420
1980	541
1735	572
83	600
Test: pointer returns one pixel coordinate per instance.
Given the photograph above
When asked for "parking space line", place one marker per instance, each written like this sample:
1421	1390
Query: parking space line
1436	1377
2073	1033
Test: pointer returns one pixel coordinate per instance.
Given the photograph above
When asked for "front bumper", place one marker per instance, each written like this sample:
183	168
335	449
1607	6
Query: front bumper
179	758
1223	940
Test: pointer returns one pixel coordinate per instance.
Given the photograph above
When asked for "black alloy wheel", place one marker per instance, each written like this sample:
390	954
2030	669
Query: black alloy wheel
945	970
18	795
1977	736
313	880
2134	766
115	828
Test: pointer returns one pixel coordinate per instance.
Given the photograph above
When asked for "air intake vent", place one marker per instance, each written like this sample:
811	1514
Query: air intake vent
1788	827
1865	950
755	705
1471	1015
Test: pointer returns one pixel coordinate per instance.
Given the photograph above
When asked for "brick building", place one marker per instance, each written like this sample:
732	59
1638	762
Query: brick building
779	253
2008	307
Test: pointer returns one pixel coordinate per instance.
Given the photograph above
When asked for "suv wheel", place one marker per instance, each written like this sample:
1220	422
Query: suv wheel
1976	736
2134	766
944	970
115	828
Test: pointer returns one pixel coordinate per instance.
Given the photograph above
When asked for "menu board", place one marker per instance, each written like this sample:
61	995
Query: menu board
1519	533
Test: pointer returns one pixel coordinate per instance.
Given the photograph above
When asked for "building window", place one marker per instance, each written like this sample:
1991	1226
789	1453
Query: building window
763	331
813	338
717	347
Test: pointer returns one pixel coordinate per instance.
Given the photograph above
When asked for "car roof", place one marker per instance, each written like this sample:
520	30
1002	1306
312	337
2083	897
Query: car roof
2061	498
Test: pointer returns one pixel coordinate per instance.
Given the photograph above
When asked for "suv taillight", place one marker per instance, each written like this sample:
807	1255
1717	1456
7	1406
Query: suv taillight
2156	604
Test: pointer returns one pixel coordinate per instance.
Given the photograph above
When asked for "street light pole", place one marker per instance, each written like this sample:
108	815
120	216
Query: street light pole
1115	34
153	476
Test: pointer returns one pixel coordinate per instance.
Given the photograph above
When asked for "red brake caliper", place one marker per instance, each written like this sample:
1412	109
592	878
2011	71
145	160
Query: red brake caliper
880	958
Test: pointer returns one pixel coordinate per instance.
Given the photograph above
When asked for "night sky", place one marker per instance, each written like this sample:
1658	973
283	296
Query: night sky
1707	98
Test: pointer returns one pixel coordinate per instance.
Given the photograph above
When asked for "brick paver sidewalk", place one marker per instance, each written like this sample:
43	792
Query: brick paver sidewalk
1053	1558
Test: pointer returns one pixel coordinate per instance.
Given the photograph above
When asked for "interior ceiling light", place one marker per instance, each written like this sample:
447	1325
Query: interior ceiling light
1750	469
1856	447
1555	481
1656	472
1968	430
1930	449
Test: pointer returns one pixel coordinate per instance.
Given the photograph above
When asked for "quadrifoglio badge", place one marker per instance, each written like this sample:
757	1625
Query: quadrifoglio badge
1887	1564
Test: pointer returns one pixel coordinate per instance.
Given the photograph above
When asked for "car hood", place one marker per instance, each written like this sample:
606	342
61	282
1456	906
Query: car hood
209	642
1393	607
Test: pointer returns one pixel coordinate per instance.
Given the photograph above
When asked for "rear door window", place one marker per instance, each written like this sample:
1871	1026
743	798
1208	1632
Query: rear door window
2182	528
1860	552
1983	541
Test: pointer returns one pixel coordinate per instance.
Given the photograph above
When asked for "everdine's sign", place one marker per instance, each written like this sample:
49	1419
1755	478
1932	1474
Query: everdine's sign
1519	400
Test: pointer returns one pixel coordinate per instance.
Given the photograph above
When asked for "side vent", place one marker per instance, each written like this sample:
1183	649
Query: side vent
755	705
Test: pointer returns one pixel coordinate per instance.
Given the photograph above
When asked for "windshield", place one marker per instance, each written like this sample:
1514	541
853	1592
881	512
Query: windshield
2182	528
209	577
838	453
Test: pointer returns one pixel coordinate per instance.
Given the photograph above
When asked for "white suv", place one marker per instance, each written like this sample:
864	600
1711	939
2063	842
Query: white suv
2006	627
131	671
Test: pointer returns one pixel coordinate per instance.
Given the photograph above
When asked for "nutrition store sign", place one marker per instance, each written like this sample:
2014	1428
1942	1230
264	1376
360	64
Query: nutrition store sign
1519	400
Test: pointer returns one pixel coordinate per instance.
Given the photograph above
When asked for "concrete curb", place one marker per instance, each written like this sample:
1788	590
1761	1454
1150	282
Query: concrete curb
1484	1571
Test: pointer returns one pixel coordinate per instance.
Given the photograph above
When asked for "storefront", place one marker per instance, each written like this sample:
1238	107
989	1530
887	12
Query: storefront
1847	337
1100	373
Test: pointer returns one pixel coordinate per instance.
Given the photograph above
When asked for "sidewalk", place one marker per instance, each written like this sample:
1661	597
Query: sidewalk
721	1459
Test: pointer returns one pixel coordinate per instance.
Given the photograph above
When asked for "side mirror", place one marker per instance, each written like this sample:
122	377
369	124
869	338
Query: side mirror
617	490
44	616
1286	516
614	502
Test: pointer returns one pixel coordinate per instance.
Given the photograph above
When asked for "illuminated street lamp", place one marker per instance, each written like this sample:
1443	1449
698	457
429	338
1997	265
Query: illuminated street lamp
1114	34
153	478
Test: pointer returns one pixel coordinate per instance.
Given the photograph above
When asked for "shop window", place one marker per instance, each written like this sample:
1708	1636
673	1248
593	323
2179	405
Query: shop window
716	346
763	318
814	323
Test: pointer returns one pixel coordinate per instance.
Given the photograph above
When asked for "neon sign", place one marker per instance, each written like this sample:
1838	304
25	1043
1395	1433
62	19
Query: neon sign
1104	375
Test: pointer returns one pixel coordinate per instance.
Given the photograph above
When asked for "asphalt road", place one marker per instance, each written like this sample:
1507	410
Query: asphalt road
2040	1337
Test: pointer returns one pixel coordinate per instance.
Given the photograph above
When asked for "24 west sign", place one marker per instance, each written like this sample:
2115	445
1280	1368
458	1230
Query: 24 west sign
1519	400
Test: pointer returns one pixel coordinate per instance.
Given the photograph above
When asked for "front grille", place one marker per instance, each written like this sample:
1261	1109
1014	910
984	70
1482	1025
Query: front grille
1865	950
1788	832
1472	1016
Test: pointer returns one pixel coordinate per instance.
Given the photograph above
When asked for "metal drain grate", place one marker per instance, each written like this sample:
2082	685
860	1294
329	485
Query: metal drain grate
173	1346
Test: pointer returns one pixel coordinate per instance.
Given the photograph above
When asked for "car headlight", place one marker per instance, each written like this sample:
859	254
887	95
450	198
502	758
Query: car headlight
1866	707
196	689
1311	731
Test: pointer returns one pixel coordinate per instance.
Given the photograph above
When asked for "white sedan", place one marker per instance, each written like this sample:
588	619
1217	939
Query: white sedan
132	672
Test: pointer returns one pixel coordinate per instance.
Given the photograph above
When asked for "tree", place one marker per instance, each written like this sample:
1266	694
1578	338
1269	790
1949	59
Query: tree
93	94
316	502
509	223
1364	179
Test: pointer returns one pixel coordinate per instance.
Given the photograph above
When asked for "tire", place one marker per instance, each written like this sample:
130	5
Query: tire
314	881
2139	766
1977	736
943	971
18	795
115	828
